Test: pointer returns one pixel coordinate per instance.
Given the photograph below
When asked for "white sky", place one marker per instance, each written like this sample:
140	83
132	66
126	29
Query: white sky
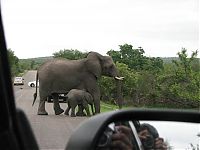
178	134
37	28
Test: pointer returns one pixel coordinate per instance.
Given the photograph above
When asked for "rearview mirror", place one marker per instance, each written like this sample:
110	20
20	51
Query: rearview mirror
174	129
175	135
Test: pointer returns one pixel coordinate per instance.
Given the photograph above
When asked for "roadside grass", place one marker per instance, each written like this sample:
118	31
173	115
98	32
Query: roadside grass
108	107
105	107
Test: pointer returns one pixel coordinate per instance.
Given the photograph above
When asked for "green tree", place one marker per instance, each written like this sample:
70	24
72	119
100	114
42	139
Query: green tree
13	61
154	64
32	64
129	83
135	59
181	82
108	90
70	54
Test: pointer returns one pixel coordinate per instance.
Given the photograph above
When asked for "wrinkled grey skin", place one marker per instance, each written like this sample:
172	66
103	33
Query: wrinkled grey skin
77	97
61	75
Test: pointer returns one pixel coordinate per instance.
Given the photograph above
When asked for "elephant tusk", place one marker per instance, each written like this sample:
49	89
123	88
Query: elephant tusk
119	78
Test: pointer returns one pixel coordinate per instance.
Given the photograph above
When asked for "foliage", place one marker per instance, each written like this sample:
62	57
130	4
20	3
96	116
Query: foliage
105	107
18	66
194	147
108	89
181	82
148	81
70	54
135	58
132	57
32	63
14	63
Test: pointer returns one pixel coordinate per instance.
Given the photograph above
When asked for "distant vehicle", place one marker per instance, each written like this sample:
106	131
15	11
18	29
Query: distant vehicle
33	83
49	99
62	98
18	81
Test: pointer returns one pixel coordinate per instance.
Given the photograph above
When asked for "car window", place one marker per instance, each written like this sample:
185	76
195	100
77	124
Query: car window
55	46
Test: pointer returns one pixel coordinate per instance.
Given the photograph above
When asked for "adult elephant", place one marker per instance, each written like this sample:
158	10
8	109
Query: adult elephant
61	75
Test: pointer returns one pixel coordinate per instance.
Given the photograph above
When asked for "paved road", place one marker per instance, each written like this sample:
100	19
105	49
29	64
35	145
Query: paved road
52	132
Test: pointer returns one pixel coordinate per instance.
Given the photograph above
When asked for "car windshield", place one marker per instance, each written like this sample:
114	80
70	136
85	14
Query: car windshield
57	46
18	78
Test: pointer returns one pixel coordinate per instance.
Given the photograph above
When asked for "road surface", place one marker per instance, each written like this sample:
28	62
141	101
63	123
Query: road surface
52	132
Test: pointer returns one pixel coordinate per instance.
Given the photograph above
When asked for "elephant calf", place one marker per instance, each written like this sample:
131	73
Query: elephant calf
79	97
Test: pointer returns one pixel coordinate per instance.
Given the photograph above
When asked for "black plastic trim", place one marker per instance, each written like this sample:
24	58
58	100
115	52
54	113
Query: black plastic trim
12	136
88	132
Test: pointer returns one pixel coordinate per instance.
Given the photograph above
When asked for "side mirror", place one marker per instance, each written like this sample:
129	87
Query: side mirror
178	129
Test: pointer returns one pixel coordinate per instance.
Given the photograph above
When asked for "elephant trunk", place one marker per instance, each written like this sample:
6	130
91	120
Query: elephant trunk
119	94
115	73
35	94
119	82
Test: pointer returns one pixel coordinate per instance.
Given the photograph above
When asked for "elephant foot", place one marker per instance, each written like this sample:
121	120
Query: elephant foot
73	115
59	111
42	113
80	114
66	113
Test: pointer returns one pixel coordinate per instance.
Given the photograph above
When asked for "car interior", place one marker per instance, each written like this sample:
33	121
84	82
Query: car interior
16	132
96	127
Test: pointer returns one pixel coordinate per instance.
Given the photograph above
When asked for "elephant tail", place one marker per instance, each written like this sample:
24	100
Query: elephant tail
35	94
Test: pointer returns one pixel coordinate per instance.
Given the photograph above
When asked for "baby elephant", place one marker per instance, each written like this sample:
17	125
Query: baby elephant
81	98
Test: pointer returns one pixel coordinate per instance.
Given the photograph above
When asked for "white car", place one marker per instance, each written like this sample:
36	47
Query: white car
33	83
18	81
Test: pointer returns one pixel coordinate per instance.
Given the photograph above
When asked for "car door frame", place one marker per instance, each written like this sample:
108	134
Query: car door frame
15	130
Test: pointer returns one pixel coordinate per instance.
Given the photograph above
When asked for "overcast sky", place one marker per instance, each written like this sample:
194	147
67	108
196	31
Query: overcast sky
37	28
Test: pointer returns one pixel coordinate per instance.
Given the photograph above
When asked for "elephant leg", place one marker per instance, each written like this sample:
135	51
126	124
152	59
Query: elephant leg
73	112
85	105
87	111
68	109
41	108
96	98
58	110
80	110
93	89
97	105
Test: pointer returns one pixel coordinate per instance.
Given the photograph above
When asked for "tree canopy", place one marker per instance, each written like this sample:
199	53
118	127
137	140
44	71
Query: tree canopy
69	54
135	59
13	62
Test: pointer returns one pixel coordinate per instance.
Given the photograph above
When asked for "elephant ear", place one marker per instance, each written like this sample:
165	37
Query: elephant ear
93	64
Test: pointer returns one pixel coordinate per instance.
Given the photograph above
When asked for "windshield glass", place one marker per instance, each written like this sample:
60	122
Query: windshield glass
63	45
